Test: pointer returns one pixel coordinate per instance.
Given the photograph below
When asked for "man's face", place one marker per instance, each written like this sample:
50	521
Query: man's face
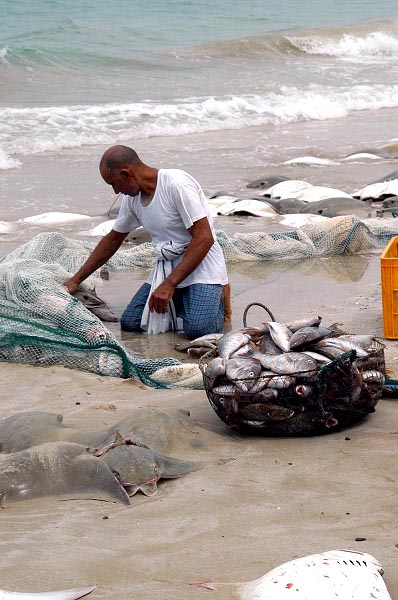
122	181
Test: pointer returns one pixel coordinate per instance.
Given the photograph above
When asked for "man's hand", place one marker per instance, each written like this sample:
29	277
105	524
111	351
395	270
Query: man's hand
71	285
160	298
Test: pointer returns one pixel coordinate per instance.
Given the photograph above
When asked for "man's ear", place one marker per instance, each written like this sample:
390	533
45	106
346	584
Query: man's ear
125	173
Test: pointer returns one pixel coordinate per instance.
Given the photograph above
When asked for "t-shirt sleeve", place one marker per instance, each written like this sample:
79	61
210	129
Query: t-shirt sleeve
126	220
190	201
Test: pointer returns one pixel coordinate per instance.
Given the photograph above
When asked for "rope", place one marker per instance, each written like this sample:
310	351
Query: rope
256	304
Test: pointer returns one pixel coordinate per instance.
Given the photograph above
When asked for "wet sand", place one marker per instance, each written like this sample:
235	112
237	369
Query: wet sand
281	498
232	521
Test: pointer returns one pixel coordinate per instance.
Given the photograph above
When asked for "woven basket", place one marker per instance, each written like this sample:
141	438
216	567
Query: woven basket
331	398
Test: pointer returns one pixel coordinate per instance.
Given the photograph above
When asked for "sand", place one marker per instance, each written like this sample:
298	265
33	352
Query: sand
234	520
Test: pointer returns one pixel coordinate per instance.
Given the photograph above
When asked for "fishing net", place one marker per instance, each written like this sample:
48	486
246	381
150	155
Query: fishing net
41	324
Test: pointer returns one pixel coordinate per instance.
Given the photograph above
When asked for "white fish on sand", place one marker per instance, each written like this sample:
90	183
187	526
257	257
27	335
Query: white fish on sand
287	189
298	220
6	227
310	160
332	575
363	156
58	595
100	230
187	374
52	218
378	190
319	192
249	206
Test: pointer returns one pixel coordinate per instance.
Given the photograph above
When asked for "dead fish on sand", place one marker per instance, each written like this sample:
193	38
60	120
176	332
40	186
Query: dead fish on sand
72	594
200	345
95	305
327	575
61	469
139	469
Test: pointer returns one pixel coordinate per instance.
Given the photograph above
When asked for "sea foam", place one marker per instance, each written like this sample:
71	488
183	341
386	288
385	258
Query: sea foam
36	130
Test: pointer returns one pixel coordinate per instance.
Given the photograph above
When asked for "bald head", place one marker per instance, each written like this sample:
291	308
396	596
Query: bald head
119	157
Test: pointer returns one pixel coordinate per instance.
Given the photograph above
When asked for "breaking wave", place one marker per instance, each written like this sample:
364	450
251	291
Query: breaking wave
34	130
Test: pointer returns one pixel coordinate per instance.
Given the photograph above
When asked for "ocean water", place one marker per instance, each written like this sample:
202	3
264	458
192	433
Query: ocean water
84	73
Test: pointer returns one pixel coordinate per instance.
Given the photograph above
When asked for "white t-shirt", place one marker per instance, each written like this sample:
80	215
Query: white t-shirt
178	202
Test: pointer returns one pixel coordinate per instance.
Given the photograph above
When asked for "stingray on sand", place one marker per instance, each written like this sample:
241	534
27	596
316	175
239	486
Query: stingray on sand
163	431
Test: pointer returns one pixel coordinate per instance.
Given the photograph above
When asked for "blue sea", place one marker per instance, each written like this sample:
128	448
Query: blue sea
83	73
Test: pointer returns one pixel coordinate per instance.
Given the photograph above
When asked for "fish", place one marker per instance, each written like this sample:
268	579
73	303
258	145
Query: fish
288	363
265	412
305	322
62	469
231	342
373	376
183	374
304	390
306	335
242	371
204	341
214	369
71	594
280	382
320	358
139	469
226	389
280	334
266	395
343	345
96	305
268	346
330	575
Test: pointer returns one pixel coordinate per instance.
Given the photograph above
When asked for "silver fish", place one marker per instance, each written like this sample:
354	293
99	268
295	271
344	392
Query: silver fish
268	346
303	390
71	594
288	363
262	381
306	335
96	305
373	376
299	323
214	369
265	395
198	352
281	382
225	389
230	342
320	358
364	341
241	371
268	412
280	334
341	344
208	341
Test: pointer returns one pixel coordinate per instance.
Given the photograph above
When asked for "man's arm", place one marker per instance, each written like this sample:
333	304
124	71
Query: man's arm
103	251
201	242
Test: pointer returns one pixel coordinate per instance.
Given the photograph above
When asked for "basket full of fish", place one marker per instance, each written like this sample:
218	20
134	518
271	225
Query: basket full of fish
297	378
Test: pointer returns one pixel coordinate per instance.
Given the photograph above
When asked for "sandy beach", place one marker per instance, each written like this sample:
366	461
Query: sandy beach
229	93
234	520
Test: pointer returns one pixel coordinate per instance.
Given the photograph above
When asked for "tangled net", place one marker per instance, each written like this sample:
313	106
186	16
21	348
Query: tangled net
41	324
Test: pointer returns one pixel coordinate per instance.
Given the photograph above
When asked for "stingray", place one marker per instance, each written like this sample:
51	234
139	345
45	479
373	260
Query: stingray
60	469
72	594
162	430
138	468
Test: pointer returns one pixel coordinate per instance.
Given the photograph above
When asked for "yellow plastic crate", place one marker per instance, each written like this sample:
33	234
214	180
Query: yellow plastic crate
389	288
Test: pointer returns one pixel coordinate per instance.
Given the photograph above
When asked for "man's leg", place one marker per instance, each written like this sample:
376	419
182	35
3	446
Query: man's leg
131	318
201	308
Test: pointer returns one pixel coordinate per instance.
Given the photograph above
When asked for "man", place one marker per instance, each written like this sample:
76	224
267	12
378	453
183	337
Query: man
171	206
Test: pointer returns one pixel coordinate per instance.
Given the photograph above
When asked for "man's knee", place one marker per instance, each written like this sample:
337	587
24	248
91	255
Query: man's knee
193	331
